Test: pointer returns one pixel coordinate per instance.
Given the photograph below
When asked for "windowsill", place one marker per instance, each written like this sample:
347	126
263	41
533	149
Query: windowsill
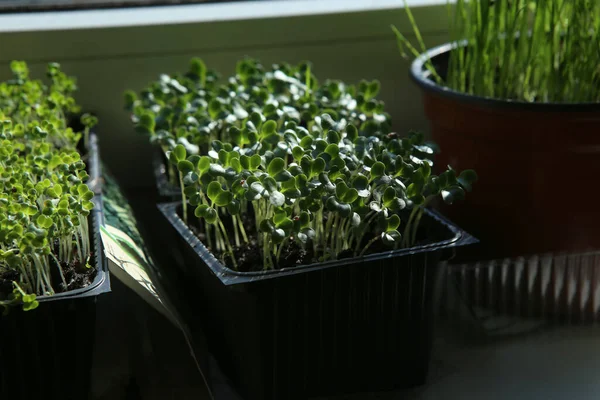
192	13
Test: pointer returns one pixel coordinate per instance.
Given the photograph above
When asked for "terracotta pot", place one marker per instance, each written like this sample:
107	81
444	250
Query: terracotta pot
538	166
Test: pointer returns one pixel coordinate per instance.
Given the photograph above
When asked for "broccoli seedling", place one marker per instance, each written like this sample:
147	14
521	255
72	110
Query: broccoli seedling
182	110
44	201
330	189
315	166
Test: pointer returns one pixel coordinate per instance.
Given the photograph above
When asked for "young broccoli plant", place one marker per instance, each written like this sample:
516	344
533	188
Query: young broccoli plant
327	190
193	114
272	161
173	107
24	101
44	205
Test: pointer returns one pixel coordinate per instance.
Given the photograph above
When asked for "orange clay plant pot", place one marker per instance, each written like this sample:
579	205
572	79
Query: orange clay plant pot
538	165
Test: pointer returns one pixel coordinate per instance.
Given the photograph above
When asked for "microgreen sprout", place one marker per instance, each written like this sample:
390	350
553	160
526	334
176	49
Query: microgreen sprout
186	110
24	100
44	201
327	188
275	161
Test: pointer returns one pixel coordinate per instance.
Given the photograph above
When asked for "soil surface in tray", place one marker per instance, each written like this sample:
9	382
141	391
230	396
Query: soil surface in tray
76	275
249	255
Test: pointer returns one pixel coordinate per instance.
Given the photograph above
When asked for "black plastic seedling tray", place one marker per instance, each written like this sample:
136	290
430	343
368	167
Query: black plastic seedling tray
47	353
354	325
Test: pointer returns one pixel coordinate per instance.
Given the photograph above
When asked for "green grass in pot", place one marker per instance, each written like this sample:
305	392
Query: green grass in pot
533	51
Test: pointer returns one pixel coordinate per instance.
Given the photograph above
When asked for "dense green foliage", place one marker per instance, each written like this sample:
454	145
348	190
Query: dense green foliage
528	50
314	166
44	202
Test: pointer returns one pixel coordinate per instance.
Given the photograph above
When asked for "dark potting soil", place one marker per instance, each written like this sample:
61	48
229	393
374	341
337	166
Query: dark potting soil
6	280
249	256
77	276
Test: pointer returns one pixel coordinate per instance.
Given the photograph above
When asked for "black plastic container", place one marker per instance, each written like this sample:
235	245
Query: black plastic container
348	326
47	353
